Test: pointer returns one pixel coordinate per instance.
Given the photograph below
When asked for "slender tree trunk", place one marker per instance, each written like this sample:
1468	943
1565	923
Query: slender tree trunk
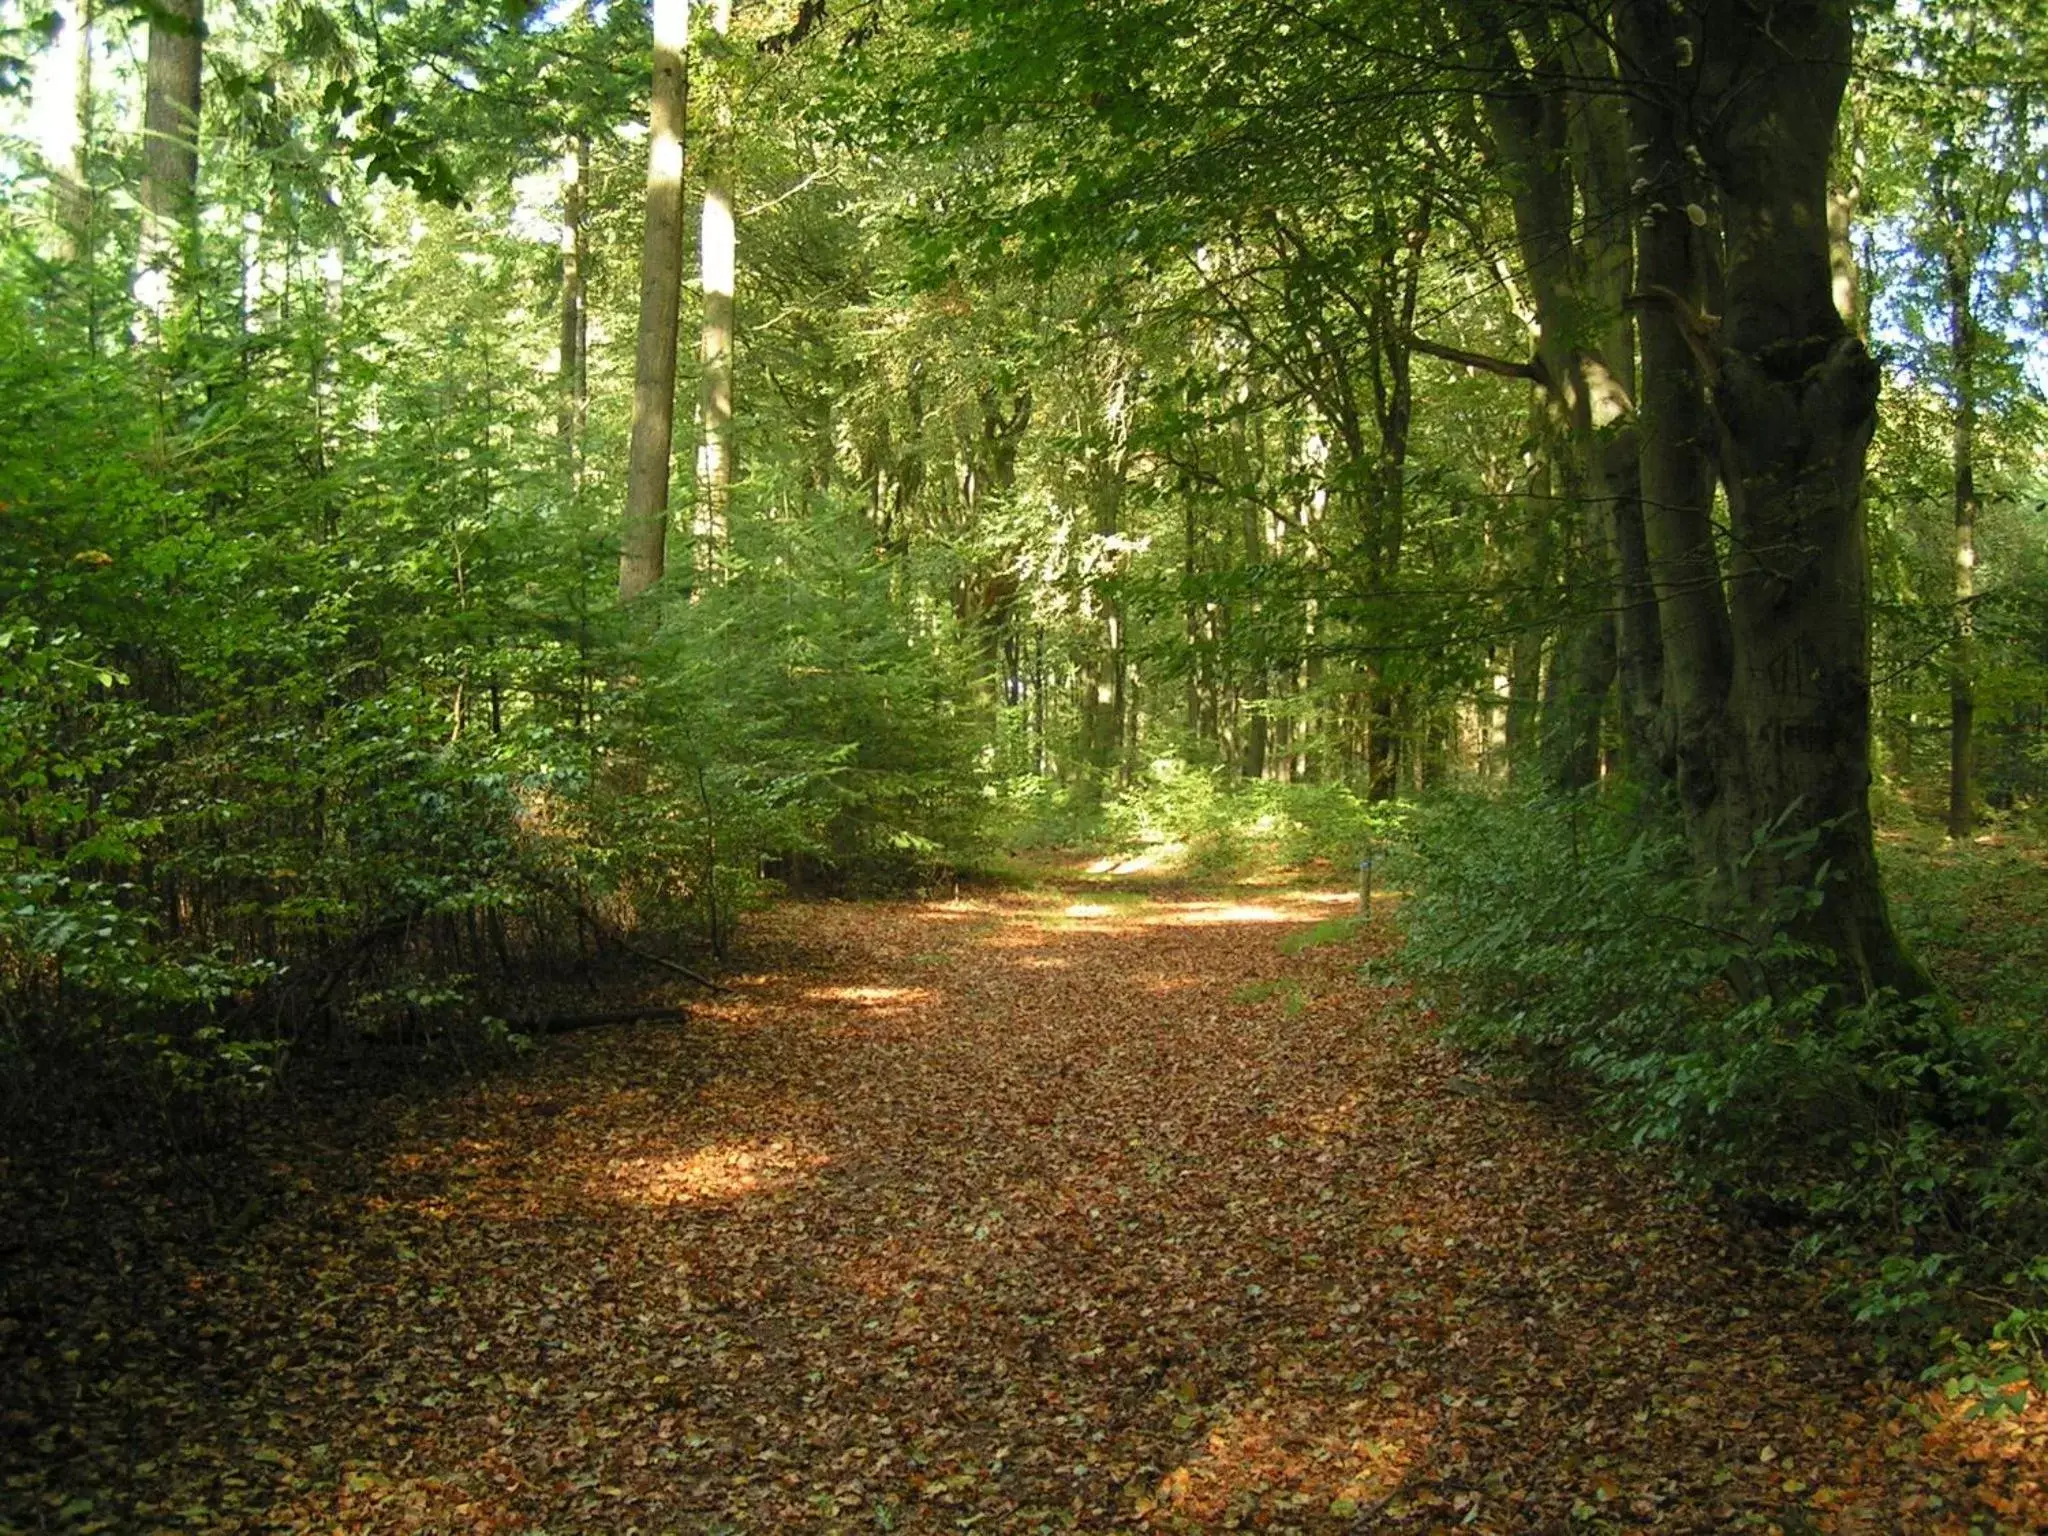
62	91
1038	700
573	408
1107	469
643	536
170	155
718	250
1848	292
1252	763
1962	679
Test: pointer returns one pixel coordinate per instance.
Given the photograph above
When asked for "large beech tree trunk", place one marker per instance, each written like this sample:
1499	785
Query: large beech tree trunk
1675	462
643	533
170	154
1746	101
1752	689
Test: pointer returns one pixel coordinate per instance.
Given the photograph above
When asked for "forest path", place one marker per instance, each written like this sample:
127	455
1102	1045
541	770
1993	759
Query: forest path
1074	1208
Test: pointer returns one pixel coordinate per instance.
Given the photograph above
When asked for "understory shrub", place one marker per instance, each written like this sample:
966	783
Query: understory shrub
1563	940
322	740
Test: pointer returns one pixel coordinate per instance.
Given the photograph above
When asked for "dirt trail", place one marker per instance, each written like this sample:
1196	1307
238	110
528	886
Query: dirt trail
1069	1210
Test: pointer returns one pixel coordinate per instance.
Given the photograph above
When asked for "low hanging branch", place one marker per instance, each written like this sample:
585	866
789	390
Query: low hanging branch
1531	370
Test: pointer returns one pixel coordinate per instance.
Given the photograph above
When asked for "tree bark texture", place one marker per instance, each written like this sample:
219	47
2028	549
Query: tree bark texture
643	534
1557	134
572	411
170	153
1753	684
1750	101
719	261
1960	275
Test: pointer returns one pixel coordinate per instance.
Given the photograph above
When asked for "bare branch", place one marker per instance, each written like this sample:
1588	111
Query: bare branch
1531	370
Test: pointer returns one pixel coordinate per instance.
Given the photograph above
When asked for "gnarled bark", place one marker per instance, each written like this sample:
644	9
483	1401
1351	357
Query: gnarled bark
1791	393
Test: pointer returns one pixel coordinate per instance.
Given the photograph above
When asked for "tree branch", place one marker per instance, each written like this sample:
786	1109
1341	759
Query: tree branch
1701	331
1531	370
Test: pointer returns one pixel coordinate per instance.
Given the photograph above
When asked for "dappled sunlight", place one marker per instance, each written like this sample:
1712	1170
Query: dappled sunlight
1307	1456
1029	933
726	1170
886	999
1162	1200
1200	914
1163	856
1089	909
2002	1451
957	908
377	1496
1044	962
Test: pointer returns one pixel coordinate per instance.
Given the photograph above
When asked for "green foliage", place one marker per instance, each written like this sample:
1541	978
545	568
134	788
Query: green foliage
1562	940
1178	817
316	723
792	720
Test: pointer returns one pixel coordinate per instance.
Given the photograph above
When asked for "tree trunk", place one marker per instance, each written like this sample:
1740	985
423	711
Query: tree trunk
643	534
1675	441
1252	758
1792	395
1962	679
573	408
170	155
718	252
62	92
1558	133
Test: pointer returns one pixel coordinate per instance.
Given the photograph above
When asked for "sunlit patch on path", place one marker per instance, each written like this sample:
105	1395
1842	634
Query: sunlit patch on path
1076	1209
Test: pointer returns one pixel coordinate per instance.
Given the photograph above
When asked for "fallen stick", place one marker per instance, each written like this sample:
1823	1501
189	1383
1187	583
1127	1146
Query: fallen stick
680	969
562	1024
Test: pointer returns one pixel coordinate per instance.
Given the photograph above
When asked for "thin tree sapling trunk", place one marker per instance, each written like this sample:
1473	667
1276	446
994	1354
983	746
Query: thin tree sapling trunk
573	407
1962	680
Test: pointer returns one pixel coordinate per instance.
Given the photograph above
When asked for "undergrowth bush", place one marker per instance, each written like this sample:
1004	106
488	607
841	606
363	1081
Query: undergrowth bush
320	740
1562	940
